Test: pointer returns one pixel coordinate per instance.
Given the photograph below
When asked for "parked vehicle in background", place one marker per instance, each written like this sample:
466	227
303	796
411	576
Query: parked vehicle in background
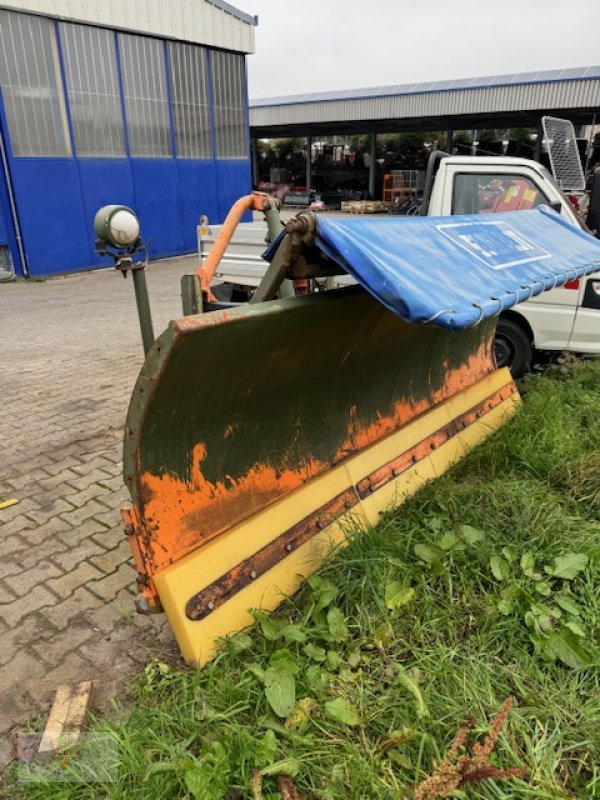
567	318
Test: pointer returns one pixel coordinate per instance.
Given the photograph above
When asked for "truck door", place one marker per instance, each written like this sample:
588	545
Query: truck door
585	337
551	315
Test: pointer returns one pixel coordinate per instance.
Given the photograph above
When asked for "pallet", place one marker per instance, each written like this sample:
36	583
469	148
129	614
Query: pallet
365	206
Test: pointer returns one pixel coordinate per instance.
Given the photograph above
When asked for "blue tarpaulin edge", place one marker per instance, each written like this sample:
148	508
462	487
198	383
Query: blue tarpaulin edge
420	268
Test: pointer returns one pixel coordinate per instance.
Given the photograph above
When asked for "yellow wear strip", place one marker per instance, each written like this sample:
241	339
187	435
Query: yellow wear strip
198	570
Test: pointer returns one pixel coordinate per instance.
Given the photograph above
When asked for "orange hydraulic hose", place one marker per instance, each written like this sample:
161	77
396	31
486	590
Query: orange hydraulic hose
257	201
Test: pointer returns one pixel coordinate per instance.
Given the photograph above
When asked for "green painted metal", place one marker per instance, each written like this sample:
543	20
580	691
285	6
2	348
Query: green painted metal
191	295
286	385
143	306
273	277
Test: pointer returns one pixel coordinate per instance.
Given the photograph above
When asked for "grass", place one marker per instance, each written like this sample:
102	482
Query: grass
401	637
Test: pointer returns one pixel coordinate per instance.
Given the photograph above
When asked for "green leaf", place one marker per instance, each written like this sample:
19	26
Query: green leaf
428	553
435	523
334	660
530	619
354	659
316	678
545	623
271	628
401	759
337	625
238	644
469	534
411	685
568	604
543	588
266	750
568	566
293	633
341	710
300	715
257	671
383	635
280	689
287	766
505	606
499	568
510	554
565	646
324	592
575	627
315	652
284	660
451	541
398	594
527	564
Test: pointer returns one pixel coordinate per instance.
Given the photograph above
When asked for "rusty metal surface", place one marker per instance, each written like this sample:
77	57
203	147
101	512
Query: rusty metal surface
234	409
203	603
215	595
409	458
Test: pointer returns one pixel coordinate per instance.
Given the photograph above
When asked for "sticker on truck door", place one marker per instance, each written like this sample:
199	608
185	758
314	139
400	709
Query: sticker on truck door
496	243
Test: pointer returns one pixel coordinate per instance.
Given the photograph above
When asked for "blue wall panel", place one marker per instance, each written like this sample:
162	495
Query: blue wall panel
234	180
57	200
157	204
7	231
197	195
51	213
103	182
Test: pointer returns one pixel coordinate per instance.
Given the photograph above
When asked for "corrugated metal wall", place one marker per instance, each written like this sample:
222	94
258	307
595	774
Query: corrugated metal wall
91	116
199	21
483	100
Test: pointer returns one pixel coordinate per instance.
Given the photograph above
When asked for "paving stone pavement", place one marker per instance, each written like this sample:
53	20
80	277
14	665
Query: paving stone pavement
70	351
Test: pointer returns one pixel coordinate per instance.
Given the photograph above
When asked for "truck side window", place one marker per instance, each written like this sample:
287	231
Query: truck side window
485	193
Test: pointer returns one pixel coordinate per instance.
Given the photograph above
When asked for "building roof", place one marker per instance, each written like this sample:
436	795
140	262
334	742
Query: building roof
513	95
235	12
511	79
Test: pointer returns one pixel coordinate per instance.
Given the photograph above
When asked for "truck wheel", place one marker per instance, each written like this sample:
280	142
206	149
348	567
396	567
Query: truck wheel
512	348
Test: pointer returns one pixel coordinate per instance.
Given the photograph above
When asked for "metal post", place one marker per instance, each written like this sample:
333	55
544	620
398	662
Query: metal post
143	306
273	223
372	165
273	220
254	150
537	150
308	163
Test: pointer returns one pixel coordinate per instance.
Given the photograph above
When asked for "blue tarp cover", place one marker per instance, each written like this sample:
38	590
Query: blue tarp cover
456	271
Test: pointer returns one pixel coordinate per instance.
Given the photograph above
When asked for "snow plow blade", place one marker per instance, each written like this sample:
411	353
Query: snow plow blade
259	435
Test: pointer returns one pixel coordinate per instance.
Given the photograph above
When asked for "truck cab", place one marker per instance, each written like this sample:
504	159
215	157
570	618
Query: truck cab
567	318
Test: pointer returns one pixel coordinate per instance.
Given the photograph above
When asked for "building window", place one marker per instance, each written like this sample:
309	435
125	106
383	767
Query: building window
189	100
145	90
229	85
89	56
31	85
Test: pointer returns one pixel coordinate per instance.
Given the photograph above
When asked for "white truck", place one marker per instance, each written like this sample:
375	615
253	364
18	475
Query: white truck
567	318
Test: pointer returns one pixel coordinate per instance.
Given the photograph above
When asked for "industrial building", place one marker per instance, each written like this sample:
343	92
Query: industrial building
490	102
142	104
